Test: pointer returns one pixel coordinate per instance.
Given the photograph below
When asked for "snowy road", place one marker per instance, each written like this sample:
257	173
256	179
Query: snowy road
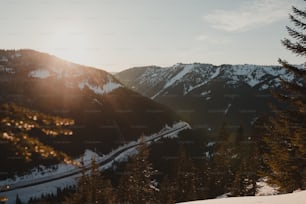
47	184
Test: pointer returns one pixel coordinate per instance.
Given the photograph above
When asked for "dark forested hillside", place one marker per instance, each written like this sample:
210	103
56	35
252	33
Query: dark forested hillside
105	113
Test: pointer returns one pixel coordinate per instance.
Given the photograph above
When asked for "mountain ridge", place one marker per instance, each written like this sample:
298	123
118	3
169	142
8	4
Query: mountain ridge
207	95
153	76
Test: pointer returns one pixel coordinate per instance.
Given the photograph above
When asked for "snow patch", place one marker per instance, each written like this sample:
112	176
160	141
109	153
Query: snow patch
214	75
153	97
40	73
187	68
110	86
106	88
265	189
205	93
264	86
227	109
210	144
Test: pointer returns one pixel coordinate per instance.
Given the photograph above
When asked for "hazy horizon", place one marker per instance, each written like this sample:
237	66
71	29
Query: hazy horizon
116	35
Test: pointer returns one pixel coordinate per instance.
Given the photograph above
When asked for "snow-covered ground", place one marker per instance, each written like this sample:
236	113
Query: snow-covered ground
41	173
40	73
66	174
292	198
266	194
265	189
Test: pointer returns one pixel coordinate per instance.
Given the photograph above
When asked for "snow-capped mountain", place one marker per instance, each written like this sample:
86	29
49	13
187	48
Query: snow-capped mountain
209	95
155	81
106	114
35	65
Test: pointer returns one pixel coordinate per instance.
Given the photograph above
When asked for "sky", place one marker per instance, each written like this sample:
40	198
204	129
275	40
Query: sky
118	34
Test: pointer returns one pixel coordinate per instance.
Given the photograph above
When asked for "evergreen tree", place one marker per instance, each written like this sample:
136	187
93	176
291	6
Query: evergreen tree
18	201
81	194
285	146
245	165
108	195
203	180
223	155
95	183
92	188
244	183
166	191
136	183
186	177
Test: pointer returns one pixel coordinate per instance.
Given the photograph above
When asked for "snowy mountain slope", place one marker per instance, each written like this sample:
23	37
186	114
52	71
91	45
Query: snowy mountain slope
296	198
208	95
191	76
37	65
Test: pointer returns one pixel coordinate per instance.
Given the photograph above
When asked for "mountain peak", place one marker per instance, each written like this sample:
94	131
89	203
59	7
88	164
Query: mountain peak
188	77
42	66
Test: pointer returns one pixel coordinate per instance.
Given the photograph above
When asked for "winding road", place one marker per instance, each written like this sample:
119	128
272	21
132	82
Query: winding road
106	160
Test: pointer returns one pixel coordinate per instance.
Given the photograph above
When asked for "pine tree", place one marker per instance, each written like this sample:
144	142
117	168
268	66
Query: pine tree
95	194
285	146
244	183
245	165
186	177
203	180
100	189
18	201
222	162
108	195
81	194
166	191
136	183
92	188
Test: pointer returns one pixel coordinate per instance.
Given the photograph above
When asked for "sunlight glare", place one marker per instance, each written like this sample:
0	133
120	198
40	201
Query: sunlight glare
71	44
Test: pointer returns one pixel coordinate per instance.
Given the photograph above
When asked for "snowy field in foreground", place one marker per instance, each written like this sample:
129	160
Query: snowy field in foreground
294	198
